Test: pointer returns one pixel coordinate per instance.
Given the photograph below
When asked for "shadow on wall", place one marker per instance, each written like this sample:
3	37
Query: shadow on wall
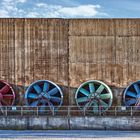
19	94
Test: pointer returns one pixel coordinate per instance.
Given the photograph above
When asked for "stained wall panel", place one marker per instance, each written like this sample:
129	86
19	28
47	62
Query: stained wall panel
93	61
104	49
90	27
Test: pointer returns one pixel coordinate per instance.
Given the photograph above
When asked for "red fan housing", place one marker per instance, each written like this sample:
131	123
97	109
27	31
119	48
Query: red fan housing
7	94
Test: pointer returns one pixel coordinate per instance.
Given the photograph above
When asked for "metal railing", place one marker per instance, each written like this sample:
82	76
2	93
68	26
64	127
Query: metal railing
68	111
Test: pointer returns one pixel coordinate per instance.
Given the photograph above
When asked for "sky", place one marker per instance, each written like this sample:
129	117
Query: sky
70	8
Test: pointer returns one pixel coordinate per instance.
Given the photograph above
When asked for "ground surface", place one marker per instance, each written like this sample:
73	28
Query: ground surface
69	135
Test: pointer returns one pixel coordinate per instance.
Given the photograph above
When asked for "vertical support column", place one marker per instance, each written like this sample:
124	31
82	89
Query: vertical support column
6	111
21	109
37	111
84	111
115	111
53	111
131	111
69	109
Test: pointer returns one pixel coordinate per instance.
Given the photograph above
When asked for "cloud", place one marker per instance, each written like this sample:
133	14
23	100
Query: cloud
9	8
80	11
70	2
19	8
32	14
22	1
70	12
4	13
13	1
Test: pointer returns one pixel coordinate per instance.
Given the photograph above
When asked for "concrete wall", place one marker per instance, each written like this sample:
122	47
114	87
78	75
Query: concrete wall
69	52
44	123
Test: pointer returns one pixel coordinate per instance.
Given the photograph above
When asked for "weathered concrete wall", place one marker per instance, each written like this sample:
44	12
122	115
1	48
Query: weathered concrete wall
105	123
41	122
69	52
104	49
91	123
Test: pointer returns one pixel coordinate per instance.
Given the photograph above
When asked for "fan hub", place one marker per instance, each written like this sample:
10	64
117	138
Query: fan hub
94	95
44	94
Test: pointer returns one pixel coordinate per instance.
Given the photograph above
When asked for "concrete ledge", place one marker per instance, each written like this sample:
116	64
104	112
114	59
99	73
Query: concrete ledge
45	123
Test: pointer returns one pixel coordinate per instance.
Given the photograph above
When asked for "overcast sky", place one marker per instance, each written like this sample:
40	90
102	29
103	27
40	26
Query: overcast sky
70	8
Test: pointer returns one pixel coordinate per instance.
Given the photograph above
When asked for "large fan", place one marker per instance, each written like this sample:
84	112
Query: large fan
7	94
132	94
44	93
94	95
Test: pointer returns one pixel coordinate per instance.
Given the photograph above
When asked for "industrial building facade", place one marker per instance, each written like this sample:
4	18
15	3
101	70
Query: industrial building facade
70	52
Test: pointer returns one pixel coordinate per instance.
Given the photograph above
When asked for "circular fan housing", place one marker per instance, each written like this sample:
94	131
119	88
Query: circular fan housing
44	93
7	94
131	95
94	95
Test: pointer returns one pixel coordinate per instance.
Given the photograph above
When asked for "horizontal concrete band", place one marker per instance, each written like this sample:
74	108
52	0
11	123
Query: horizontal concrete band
44	123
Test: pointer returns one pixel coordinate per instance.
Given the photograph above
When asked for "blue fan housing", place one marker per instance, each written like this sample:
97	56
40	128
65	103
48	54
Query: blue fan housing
44	93
131	95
